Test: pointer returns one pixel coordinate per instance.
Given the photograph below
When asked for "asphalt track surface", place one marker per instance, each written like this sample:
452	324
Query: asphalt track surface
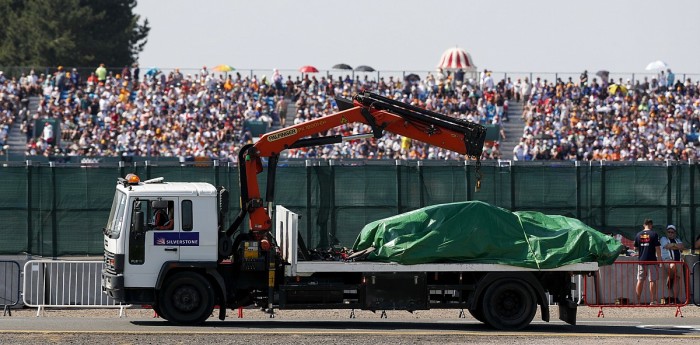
144	329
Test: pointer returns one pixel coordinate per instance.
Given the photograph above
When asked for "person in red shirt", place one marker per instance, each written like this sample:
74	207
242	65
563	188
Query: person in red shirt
92	82
163	220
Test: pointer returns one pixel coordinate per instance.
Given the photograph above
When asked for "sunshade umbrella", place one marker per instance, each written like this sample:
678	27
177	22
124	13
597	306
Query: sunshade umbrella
456	58
308	69
614	88
342	66
152	71
223	68
364	68
412	77
656	65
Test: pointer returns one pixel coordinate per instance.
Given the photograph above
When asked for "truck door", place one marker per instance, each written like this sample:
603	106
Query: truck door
155	245
198	235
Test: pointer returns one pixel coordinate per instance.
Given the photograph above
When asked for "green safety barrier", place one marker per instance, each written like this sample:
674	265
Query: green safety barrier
60	209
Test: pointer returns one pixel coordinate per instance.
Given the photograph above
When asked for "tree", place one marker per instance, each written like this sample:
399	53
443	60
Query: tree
81	33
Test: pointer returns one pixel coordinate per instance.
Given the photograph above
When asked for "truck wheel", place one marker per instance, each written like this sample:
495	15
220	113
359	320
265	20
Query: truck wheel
187	299
509	304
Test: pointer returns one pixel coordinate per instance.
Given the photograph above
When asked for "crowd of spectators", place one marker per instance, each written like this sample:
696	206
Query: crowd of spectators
154	114
7	109
441	92
13	103
648	120
204	114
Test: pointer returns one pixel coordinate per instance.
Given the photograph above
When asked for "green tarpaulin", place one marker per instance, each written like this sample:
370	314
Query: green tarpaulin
477	232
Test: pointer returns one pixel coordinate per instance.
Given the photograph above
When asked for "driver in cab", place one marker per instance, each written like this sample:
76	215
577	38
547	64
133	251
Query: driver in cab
162	216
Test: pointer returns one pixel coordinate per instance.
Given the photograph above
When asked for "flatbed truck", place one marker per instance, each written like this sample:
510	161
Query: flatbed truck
185	269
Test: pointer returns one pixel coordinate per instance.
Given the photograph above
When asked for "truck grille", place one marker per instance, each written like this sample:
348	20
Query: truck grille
109	263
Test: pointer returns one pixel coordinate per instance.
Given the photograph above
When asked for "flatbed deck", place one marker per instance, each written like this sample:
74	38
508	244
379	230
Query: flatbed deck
287	237
300	268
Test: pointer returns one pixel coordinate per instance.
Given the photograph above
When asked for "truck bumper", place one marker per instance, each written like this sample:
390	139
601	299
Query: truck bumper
113	286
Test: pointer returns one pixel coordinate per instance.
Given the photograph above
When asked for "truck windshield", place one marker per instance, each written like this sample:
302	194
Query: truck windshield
116	216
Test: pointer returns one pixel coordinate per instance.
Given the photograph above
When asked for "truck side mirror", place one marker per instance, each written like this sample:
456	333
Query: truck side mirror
137	223
223	200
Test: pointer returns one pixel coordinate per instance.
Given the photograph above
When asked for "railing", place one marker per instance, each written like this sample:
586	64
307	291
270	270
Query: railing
695	286
10	282
616	285
65	284
398	75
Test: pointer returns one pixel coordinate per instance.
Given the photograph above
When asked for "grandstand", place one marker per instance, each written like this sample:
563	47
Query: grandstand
188	115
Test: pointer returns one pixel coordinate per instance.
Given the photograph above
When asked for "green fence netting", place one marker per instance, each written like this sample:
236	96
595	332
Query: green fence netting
60	209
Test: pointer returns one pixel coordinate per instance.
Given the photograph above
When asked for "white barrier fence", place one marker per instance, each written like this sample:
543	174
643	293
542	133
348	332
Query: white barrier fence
77	284
65	284
9	285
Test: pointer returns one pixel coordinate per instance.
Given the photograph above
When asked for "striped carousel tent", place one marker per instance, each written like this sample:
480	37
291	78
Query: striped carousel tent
456	58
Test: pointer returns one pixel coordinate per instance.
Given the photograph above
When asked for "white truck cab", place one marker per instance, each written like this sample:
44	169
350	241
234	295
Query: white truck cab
137	248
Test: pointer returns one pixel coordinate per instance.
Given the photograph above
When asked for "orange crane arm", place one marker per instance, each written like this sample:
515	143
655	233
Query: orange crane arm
380	113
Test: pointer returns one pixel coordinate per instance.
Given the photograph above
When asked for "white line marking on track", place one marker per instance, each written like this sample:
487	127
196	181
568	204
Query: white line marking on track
671	328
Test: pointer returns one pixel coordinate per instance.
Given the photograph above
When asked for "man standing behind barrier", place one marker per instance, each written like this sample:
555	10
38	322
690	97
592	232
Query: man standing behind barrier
649	249
671	247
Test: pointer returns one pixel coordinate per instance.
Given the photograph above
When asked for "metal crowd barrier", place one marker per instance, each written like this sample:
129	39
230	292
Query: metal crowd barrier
50	283
615	286
695	283
65	284
10	281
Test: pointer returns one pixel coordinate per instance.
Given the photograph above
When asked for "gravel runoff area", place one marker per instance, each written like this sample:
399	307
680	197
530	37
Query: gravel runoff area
334	339
304	337
140	312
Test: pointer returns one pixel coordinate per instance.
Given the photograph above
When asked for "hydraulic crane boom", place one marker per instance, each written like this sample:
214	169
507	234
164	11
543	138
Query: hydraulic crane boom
380	113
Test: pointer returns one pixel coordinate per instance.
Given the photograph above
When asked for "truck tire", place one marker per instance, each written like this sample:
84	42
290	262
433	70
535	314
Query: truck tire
188	299
509	304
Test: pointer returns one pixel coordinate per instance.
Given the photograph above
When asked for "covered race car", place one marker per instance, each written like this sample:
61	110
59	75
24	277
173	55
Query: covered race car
477	232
